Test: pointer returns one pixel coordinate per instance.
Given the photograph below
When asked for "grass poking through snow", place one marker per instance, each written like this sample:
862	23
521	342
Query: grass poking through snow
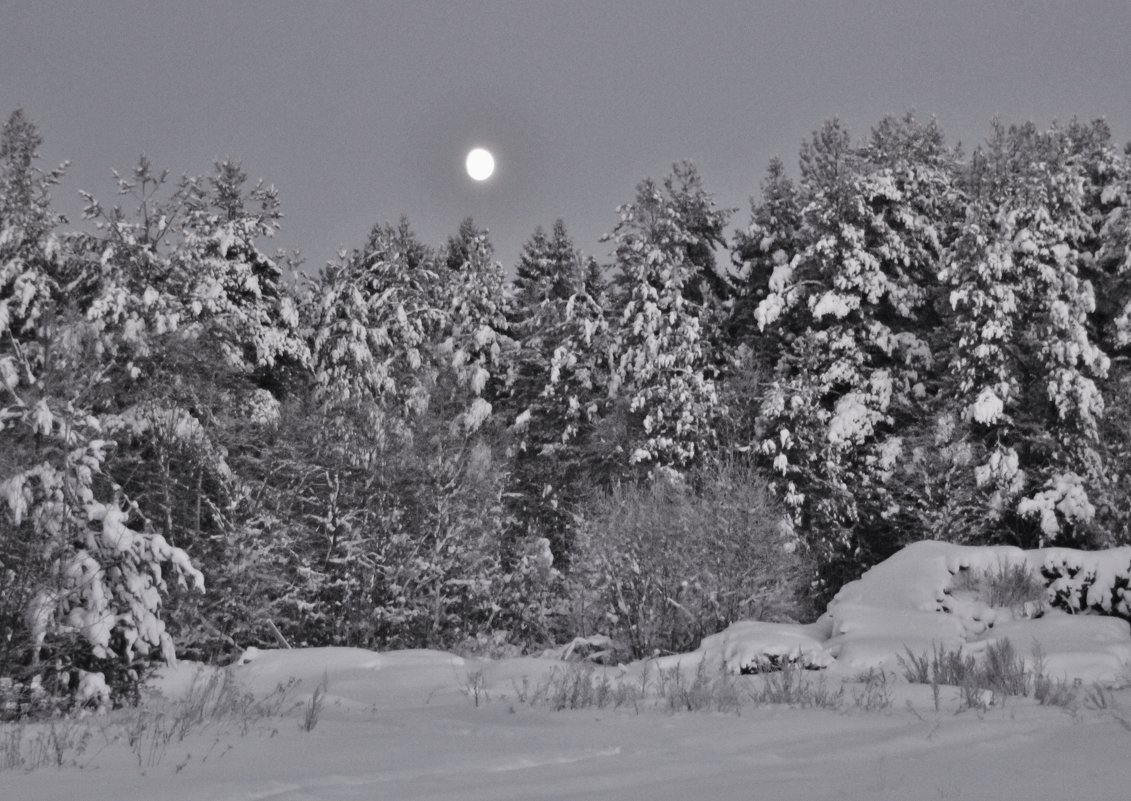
1009	585
999	674
707	687
215	705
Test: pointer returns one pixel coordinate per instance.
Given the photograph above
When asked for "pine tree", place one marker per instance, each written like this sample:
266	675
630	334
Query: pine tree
376	318
1106	264
397	331
763	249
760	256
548	269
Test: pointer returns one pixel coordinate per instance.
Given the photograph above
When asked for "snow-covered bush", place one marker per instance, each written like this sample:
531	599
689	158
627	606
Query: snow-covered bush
406	551
1079	581
662	564
1011	585
392	499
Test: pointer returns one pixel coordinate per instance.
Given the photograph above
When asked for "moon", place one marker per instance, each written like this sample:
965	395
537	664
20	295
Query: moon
480	164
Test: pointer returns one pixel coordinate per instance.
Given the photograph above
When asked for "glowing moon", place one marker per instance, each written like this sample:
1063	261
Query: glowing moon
480	164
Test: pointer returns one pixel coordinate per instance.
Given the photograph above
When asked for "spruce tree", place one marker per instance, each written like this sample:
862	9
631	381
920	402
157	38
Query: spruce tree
855	308
556	388
1027	366
666	311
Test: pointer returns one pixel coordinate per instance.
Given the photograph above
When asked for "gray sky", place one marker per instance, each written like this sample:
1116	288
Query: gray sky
359	111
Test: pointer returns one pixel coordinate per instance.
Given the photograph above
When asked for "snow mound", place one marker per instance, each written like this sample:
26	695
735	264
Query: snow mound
354	677
915	602
753	646
908	602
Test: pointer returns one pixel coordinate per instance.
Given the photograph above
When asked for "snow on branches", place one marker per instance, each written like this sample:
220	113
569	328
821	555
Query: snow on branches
662	358
74	568
850	304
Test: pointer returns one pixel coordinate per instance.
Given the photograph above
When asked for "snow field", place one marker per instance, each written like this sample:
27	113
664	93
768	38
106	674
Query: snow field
402	726
431	725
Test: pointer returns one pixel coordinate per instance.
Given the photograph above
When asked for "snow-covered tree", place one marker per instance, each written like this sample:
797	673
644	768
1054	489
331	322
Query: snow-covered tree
81	577
188	266
398	331
396	534
1026	365
375	322
854	302
556	388
663	363
1106	263
549	269
196	339
474	345
768	243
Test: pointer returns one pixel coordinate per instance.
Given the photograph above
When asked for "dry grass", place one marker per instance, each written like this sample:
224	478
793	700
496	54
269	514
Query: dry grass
999	674
1010	585
707	688
215	704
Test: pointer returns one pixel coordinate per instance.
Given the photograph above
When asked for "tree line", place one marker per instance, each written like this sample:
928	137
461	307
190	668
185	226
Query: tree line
198	453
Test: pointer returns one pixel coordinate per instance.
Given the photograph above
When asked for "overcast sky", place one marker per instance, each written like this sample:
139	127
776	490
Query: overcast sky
359	111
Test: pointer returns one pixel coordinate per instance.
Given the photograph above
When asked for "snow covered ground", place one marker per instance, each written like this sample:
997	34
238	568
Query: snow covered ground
429	725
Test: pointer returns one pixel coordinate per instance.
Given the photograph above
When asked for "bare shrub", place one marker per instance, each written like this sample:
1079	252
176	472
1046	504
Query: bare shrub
578	686
662	564
941	666
1055	692
1101	699
1003	670
475	687
57	744
709	687
875	693
216	701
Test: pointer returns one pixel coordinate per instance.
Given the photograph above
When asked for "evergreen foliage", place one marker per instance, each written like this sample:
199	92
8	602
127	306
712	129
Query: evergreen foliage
664	304
557	387
82	577
937	369
408	449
